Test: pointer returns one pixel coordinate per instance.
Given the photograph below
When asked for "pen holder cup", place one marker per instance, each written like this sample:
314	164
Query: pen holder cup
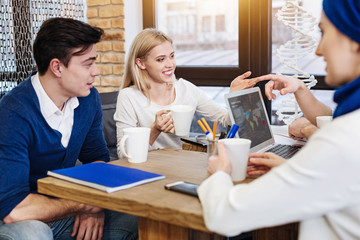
212	147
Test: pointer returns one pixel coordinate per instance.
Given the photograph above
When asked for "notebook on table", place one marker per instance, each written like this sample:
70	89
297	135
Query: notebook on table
247	110
105	176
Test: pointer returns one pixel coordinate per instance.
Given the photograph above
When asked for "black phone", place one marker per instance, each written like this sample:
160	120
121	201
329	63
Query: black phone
183	187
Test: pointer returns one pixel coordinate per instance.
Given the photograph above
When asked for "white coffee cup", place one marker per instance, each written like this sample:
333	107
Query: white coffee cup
182	116
134	144
323	120
238	150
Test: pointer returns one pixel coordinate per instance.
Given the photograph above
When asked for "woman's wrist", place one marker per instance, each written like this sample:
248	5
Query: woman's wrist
154	133
309	130
154	129
301	86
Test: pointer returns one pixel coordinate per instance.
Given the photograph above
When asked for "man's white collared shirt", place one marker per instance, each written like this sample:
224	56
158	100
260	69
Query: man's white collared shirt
60	120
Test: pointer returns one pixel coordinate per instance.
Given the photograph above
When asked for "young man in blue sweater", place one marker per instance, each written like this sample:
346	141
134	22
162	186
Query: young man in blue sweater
48	122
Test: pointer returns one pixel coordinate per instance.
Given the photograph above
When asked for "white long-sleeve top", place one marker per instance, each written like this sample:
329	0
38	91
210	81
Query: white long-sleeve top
133	109
319	186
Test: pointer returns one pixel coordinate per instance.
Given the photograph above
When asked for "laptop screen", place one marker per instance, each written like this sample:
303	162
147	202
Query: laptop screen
247	110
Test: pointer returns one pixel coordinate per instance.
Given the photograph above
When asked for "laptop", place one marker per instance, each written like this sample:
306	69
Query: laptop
247	110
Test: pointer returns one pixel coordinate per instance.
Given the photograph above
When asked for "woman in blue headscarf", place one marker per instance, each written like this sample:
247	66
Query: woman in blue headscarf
320	185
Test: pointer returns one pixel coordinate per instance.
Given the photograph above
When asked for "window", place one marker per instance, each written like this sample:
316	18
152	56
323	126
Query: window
206	24
281	34
220	23
199	33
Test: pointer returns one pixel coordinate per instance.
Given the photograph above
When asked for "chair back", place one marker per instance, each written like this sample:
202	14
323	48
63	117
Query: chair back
108	103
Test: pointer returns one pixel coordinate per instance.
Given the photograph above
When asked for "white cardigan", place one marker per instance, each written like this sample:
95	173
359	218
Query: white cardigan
319	186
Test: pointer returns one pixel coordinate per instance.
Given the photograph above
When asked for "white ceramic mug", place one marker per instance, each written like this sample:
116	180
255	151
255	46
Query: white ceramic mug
134	144
238	150
182	116
323	120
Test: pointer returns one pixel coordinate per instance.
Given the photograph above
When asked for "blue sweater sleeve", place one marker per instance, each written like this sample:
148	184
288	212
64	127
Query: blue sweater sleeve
15	134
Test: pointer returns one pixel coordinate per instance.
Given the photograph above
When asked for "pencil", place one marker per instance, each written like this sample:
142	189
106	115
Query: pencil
214	130
207	125
202	126
212	148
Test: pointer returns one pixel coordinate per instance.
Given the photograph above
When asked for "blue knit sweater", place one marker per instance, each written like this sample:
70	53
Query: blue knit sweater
29	147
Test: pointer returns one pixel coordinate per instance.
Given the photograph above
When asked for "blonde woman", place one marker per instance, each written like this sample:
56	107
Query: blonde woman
150	89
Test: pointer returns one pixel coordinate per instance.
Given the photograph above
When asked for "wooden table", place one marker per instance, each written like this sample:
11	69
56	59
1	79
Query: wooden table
162	214
193	147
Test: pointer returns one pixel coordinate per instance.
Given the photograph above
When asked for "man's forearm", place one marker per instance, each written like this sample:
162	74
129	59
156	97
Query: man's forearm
42	208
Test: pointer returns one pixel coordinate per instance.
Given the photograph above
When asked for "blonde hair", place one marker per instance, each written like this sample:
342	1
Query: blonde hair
143	43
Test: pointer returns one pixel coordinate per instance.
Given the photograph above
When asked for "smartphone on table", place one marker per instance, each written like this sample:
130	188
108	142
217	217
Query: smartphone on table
183	187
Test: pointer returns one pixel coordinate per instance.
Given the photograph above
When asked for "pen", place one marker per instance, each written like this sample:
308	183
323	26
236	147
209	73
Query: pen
209	136
232	131
207	125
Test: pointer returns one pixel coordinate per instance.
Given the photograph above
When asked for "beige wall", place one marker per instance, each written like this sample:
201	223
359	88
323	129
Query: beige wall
109	15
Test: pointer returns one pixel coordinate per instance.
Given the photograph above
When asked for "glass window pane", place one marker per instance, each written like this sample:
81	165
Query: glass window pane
205	32
282	34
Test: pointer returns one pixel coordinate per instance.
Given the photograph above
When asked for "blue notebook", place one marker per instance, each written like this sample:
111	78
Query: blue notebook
104	176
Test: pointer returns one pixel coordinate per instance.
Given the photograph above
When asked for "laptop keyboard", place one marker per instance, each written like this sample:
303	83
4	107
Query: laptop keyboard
285	151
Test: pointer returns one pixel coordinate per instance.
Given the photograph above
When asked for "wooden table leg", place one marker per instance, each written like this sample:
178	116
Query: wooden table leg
156	230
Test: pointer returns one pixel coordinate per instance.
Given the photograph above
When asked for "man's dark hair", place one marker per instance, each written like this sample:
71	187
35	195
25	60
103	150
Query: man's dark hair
58	37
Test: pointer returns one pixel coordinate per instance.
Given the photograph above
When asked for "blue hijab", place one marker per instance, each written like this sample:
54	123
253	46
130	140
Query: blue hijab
348	98
345	16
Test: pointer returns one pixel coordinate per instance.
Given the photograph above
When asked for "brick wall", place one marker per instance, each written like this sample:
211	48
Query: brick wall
109	15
